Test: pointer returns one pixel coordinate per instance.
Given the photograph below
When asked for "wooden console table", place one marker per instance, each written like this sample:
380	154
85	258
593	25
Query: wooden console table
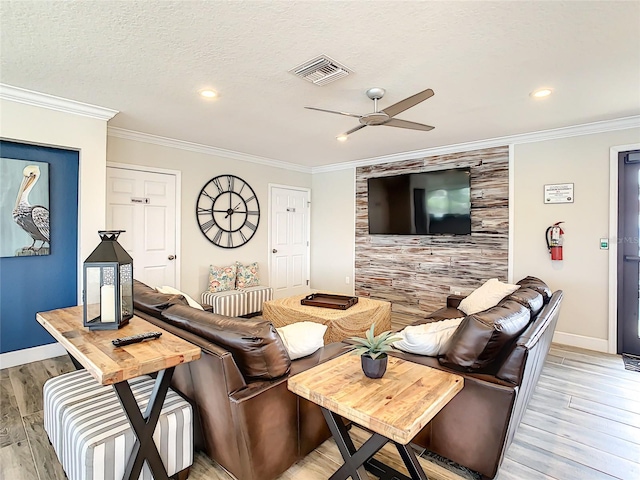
111	365
395	408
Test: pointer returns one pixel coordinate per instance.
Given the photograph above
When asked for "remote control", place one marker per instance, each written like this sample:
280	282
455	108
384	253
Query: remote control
121	342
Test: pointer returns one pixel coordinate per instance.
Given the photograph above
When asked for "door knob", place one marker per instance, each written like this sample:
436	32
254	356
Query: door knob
274	250
171	257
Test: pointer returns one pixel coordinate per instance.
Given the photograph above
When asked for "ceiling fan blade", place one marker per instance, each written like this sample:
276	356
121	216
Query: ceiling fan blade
332	111
354	129
396	122
407	103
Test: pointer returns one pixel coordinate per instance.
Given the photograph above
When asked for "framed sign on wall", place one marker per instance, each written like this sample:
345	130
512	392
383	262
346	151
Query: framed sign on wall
558	193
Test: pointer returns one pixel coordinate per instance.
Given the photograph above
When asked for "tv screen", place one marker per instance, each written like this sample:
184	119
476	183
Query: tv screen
427	203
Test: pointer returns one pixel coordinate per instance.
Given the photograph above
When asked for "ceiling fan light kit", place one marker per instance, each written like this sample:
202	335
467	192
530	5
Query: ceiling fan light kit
385	117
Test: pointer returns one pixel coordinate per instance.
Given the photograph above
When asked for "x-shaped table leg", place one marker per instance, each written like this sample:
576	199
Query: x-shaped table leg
144	425
357	462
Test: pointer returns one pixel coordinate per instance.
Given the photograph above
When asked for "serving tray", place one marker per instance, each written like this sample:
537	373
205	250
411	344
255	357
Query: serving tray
327	300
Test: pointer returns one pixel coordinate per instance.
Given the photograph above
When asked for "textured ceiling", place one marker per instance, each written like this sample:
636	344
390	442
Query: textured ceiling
148	60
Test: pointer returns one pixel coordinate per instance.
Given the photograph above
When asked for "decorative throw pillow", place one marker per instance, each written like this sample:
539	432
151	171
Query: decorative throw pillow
302	338
222	279
247	275
174	291
486	296
429	339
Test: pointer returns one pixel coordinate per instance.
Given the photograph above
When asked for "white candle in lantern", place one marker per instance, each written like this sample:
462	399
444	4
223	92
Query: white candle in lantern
107	304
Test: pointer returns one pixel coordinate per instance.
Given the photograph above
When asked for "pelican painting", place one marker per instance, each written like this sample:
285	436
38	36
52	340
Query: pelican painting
30	213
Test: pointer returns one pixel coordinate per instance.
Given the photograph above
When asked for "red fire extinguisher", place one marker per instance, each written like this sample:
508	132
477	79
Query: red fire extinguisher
553	235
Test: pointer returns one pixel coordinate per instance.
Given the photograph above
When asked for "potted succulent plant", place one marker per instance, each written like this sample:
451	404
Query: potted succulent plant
373	351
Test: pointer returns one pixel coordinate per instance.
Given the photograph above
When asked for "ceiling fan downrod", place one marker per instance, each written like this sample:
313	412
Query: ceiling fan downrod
375	94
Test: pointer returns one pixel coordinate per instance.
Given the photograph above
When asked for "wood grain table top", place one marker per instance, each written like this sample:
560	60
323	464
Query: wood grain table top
397	406
109	364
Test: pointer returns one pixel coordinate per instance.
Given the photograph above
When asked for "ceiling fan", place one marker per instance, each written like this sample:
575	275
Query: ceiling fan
385	117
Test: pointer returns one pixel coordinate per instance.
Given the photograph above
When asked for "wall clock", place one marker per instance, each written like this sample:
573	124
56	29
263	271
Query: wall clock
228	211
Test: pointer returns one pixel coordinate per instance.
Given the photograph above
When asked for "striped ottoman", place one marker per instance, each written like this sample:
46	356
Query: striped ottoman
256	296
92	436
231	303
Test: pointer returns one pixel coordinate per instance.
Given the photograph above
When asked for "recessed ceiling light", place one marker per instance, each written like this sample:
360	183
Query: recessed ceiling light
342	137
542	92
209	93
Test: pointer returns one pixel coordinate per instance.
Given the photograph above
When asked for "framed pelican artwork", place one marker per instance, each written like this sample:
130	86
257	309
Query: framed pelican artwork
24	208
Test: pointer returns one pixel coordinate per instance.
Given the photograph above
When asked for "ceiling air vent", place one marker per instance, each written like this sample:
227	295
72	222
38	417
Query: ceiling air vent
321	70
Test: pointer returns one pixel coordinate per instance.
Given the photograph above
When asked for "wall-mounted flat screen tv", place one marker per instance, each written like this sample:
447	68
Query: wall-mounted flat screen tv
426	203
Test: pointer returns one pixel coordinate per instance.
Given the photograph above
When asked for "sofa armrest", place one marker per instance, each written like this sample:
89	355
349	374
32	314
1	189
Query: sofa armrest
265	415
472	428
453	301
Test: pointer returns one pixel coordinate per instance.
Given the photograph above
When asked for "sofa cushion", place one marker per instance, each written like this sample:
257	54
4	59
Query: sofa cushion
486	296
537	285
149	301
222	279
254	343
530	298
247	275
481	338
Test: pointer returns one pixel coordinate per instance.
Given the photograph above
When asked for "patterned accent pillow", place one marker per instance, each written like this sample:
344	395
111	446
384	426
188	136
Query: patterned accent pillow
222	279
247	275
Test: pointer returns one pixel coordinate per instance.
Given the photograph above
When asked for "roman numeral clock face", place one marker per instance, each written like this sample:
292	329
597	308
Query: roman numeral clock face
228	211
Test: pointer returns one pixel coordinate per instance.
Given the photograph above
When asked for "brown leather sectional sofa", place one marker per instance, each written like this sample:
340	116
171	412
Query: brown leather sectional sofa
250	423
500	353
255	428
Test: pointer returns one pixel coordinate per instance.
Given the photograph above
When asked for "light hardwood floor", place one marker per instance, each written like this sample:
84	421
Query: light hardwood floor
583	423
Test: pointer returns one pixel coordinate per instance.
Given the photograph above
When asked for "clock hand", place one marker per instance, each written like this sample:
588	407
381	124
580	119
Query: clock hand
229	212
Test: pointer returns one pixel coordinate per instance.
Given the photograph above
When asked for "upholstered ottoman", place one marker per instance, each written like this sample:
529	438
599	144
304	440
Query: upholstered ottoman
231	303
256	296
92	436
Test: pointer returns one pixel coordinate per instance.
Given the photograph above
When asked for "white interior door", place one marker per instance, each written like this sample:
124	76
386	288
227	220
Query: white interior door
289	241
144	205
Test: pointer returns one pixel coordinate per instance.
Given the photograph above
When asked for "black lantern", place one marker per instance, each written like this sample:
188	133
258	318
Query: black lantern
108	284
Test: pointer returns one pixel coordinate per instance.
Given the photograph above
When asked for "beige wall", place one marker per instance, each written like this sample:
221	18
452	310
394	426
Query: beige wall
197	253
583	275
43	126
333	231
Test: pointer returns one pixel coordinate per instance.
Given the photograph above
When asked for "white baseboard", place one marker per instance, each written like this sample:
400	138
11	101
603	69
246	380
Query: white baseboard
580	341
28	355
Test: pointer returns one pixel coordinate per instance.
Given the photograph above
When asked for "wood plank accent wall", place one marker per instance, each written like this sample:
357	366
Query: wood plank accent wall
416	273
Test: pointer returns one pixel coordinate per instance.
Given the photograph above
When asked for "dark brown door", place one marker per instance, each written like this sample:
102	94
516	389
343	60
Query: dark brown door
628	253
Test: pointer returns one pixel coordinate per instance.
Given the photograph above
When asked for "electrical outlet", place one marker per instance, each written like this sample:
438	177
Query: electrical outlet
346	280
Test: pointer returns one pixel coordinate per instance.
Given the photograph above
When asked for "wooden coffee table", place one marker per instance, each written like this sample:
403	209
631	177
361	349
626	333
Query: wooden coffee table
111	365
341	324
395	408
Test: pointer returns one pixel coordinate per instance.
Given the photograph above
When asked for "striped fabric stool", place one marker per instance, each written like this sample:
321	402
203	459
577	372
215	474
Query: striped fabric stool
256	296
231	303
92	437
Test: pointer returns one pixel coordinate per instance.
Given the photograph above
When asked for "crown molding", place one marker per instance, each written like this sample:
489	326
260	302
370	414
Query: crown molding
37	99
199	148
542	135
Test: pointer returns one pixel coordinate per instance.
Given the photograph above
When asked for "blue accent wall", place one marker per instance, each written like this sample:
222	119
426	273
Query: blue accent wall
38	283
